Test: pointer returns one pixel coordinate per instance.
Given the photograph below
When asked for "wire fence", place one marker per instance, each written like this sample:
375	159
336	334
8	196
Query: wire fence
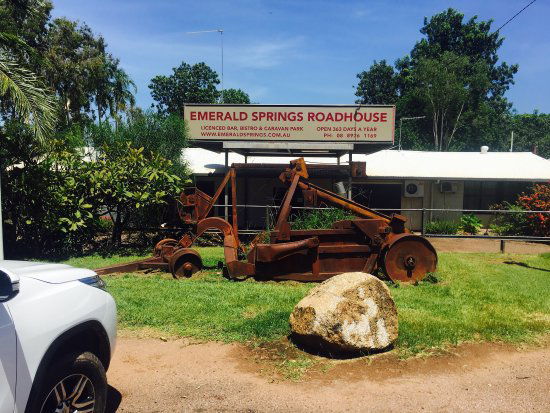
507	224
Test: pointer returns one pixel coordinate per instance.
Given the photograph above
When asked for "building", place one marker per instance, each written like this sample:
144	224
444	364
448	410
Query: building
392	180
346	149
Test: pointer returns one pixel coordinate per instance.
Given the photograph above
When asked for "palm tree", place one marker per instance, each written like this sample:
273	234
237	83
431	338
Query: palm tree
32	102
122	97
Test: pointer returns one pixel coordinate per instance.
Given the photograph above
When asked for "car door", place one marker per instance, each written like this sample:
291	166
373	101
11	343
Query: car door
8	360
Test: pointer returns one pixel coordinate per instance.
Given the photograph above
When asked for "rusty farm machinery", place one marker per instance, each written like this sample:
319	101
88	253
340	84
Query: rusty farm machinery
371	241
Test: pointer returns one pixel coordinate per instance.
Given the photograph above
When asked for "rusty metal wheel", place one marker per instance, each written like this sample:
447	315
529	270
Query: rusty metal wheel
409	258
184	263
164	242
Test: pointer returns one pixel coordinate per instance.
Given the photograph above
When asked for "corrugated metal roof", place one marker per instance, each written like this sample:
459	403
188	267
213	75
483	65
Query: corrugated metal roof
203	162
502	166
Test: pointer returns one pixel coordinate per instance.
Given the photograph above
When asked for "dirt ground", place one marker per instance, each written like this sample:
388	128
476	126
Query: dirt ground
151	375
487	245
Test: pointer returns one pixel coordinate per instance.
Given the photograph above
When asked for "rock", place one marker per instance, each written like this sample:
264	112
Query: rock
351	312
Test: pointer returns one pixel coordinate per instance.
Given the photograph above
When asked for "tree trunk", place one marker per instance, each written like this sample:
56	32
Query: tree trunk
116	238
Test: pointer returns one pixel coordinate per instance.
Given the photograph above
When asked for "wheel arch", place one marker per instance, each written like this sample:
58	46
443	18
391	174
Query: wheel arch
88	336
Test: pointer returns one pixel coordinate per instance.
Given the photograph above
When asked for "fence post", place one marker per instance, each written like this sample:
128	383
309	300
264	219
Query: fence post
502	246
422	230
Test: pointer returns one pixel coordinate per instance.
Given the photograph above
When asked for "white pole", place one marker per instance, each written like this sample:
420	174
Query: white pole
512	142
221	37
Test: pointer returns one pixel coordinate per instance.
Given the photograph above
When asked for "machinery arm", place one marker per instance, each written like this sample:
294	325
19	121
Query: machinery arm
313	192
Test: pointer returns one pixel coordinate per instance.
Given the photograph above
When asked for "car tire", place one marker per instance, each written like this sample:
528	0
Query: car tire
77	380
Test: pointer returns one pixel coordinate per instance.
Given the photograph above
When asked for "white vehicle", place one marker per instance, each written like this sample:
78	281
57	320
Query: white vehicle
57	335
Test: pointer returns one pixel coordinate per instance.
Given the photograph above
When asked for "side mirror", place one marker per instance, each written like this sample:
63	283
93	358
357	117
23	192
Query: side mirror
9	285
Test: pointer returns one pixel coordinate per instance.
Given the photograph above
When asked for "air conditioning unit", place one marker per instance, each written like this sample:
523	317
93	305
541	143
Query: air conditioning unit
447	187
414	189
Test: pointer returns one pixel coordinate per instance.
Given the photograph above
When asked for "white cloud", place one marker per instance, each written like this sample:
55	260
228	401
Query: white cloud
265	54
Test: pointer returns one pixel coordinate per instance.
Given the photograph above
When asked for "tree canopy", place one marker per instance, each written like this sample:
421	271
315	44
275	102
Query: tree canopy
235	96
187	84
454	77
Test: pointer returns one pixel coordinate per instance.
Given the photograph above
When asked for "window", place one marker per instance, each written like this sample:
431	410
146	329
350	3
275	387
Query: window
483	194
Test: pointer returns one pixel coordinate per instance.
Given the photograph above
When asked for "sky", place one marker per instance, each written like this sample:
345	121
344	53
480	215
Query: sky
301	51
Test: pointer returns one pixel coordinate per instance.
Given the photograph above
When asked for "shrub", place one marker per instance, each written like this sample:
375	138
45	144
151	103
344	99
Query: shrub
470	224
537	200
442	227
507	223
319	218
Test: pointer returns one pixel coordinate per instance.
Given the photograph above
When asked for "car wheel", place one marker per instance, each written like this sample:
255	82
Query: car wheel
77	383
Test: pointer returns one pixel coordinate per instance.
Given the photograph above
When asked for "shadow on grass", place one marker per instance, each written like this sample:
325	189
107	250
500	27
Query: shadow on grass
522	264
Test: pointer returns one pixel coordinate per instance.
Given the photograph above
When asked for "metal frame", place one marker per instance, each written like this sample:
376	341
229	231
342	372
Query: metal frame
373	241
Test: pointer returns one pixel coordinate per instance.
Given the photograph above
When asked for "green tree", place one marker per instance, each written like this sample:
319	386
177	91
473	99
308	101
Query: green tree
235	96
448	32
32	103
23	95
485	111
446	86
187	84
530	131
125	184
69	57
75	65
47	197
378	85
164	135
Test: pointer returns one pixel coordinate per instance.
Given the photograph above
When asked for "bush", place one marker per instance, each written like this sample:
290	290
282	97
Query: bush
507	223
537	200
470	224
319	218
442	227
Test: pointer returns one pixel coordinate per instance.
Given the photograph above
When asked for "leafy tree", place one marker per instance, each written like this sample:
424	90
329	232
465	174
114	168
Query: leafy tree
530	131
446	86
76	66
128	183
164	135
47	202
72	61
448	32
23	94
235	96
484	110
187	84
32	103
378	85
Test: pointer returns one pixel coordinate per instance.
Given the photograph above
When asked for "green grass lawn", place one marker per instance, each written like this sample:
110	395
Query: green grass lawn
478	297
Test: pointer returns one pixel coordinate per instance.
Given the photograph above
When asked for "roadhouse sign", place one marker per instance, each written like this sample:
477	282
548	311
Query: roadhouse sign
291	123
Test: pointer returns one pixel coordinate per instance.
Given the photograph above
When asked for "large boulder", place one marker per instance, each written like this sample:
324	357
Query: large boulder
351	312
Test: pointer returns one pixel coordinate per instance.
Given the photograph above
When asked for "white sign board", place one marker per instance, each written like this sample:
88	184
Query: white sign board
259	123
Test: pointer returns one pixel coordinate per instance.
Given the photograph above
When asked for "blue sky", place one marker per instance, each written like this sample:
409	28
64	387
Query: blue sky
304	52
